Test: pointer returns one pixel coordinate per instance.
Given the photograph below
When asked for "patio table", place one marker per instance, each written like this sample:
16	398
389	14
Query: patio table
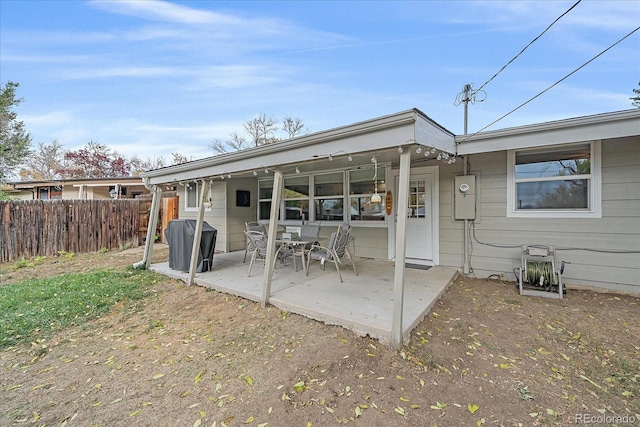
297	246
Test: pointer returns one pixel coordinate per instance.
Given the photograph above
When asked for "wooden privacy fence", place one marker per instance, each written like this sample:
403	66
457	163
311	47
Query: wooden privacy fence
31	228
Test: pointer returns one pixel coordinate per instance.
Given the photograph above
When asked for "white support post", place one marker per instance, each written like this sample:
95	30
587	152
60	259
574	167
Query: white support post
80	191
204	195
151	228
401	238
276	196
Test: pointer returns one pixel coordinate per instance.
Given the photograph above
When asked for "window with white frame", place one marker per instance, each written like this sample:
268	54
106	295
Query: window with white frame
328	196
561	181
192	196
296	198
323	197
362	186
265	192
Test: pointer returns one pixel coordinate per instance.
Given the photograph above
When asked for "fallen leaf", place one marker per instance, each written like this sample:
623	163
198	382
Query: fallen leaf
249	420
399	410
472	408
199	376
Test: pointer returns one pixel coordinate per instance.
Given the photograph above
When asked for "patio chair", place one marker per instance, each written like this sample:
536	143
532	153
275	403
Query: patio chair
336	251
309	231
252	226
258	241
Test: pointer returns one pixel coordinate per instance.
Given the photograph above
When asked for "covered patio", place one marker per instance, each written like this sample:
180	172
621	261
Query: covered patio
385	187
363	303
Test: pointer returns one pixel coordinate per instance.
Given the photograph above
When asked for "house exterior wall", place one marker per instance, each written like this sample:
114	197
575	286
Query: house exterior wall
370	242
215	217
238	215
617	230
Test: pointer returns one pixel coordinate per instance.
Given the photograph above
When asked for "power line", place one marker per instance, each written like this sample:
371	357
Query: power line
527	46
553	85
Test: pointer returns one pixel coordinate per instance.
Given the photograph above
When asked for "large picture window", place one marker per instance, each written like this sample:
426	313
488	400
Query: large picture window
328	198
361	188
296	198
556	181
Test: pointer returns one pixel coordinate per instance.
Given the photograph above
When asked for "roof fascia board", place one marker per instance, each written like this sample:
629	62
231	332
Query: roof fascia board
289	158
602	126
376	134
135	180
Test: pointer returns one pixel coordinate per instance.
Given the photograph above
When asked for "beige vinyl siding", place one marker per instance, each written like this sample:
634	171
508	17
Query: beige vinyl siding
216	217
618	229
238	215
370	242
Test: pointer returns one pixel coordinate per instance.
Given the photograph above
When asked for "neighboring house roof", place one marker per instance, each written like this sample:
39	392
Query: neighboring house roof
90	182
600	126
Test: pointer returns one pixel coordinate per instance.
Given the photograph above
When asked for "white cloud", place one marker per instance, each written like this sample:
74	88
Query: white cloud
164	11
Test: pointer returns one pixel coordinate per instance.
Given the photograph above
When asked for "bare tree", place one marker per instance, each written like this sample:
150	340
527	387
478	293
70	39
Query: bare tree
261	129
138	165
293	127
180	158
635	101
236	143
44	163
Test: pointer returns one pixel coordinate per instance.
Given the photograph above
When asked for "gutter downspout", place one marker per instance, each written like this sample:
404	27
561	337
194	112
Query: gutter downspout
465	252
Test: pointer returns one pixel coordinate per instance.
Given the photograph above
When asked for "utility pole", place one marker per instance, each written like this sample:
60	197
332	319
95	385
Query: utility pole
466	97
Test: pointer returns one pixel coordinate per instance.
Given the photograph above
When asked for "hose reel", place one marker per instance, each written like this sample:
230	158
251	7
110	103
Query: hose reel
538	275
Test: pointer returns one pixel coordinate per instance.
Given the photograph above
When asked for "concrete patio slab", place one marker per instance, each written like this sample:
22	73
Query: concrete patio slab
363	303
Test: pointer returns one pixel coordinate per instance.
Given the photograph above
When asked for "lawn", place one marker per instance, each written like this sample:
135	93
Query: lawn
185	355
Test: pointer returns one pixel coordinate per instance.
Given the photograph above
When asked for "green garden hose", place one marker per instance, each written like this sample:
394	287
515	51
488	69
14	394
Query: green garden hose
537	270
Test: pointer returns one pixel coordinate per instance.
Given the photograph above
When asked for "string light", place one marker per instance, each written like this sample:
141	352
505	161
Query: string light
400	149
419	149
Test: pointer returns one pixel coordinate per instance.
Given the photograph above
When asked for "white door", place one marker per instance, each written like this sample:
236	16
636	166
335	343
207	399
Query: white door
419	246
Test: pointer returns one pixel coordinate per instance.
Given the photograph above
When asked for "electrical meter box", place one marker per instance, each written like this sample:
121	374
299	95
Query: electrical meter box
464	199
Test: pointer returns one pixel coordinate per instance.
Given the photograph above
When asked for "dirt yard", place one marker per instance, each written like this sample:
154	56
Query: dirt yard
187	356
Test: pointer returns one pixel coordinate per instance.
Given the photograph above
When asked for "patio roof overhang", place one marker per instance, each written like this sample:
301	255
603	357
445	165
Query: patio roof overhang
381	136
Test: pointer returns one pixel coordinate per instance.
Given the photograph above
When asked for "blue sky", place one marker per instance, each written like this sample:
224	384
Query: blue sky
149	78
